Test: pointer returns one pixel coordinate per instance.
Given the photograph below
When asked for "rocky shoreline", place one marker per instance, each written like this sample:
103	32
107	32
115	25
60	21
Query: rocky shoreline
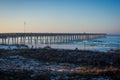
59	64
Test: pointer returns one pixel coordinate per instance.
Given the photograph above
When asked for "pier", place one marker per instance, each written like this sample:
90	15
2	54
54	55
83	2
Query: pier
46	38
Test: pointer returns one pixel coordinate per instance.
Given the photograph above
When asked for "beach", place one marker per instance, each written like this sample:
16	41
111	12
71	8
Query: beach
57	64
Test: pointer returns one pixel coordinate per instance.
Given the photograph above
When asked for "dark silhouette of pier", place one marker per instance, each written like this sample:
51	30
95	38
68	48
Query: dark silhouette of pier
46	38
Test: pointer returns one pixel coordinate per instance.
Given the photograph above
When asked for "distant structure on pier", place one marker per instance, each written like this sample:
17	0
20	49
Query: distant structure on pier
46	38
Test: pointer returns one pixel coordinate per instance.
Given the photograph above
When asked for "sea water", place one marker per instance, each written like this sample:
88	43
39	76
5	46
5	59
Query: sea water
110	42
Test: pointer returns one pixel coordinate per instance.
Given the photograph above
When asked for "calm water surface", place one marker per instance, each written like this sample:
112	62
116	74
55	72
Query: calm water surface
103	44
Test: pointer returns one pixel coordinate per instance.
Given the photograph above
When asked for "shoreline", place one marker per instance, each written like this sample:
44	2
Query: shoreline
58	46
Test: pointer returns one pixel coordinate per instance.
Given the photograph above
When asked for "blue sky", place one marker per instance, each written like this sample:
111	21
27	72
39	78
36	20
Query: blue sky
102	16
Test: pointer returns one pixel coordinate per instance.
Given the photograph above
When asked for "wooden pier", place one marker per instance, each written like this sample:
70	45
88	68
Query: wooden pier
46	38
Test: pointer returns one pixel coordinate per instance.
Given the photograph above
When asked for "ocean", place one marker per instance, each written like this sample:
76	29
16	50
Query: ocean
110	42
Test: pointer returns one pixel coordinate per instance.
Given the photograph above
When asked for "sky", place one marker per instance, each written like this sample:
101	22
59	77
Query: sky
57	16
